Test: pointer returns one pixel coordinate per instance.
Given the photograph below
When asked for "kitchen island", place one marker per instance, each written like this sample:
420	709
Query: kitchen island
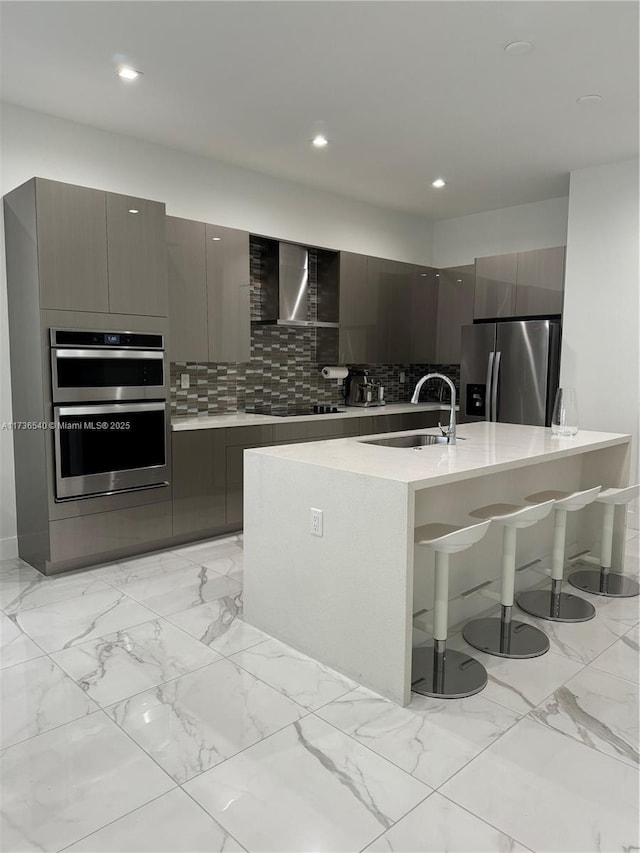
347	597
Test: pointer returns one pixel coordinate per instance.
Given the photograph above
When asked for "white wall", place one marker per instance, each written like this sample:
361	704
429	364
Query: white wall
539	225
601	329
192	187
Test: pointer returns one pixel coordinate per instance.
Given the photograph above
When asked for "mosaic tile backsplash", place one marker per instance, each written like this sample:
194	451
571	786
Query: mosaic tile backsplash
285	367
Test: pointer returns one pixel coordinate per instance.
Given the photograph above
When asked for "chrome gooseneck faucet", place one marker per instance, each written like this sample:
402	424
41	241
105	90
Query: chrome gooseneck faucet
451	431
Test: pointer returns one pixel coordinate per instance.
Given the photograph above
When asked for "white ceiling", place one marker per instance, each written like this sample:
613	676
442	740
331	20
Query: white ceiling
407	91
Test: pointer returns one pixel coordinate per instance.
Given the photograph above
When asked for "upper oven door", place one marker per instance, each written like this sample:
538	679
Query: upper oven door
83	375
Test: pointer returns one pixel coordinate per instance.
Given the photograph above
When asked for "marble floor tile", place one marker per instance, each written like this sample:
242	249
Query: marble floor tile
219	624
183	588
15	646
598	710
307	788
37	696
67	623
624	610
521	684
171	824
224	556
71	781
551	793
302	678
15	565
431	738
155	565
22	591
622	657
114	667
437	825
194	722
580	641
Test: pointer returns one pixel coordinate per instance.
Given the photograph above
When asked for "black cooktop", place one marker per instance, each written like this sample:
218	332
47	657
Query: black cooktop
284	411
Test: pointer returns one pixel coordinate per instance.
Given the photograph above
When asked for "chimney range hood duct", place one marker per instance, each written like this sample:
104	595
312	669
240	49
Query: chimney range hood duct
285	287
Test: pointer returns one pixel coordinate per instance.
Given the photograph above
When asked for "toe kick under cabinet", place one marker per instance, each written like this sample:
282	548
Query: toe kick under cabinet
208	464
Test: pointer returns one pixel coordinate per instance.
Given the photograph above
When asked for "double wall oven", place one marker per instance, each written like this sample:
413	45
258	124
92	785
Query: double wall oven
110	412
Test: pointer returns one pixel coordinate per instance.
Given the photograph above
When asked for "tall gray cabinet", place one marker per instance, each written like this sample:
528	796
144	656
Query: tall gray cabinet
78	258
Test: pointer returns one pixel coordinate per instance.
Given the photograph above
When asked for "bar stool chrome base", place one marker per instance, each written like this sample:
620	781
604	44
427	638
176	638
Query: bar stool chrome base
555	605
446	673
506	638
611	584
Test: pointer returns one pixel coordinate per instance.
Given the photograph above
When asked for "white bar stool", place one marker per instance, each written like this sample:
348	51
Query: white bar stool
505	637
436	670
606	582
554	604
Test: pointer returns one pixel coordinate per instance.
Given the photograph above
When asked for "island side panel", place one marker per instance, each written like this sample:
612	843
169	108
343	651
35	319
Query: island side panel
344	598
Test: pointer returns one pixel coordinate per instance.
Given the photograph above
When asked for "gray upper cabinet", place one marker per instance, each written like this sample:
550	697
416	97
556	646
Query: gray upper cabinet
396	306
228	294
72	247
136	245
456	289
495	290
540	282
187	275
424	309
357	315
209	292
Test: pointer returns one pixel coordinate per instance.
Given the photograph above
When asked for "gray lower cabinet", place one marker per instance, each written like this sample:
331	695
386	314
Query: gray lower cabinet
136	247
72	246
456	290
239	439
119	532
399	422
199	481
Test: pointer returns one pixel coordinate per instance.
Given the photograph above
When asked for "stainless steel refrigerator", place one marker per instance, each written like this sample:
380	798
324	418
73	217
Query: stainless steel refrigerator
509	371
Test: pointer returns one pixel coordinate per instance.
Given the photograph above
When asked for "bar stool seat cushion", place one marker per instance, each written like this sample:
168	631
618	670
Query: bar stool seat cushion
515	515
569	501
449	538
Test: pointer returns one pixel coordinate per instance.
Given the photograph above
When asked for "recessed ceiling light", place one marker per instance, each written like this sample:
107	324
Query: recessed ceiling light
133	210
438	183
423	275
589	99
459	280
126	72
320	140
437	275
518	48
216	239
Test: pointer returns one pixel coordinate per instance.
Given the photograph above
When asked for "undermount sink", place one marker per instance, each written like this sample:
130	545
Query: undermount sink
415	441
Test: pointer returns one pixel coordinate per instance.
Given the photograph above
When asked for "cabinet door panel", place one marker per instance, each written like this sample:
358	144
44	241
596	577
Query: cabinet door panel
72	247
540	282
377	303
187	275
456	288
136	245
495	293
229	320
355	311
423	316
199	479
397	304
235	477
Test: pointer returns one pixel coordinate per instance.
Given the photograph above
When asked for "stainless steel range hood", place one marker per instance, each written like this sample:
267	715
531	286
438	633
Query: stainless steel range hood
285	288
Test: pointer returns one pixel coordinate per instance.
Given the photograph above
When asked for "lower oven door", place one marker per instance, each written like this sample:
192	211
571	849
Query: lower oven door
107	448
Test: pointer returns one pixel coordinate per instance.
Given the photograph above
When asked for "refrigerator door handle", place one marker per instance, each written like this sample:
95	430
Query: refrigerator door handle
494	387
488	391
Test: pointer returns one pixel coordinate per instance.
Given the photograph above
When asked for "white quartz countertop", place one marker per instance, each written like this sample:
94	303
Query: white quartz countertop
483	448
234	419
